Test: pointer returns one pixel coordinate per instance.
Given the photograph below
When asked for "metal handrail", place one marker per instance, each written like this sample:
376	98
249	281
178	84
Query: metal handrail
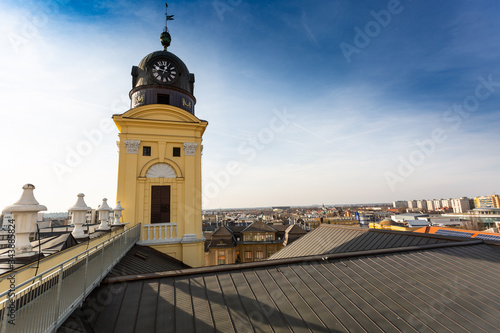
34	264
43	302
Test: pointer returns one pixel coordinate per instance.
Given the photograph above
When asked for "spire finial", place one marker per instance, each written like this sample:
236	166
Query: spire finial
165	35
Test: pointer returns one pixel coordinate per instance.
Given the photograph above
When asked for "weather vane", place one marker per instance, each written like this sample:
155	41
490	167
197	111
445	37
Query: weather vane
165	35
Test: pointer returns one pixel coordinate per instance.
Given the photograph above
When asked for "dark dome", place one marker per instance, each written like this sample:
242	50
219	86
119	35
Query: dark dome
162	78
184	81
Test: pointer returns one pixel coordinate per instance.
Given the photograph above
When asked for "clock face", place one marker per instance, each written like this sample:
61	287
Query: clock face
164	71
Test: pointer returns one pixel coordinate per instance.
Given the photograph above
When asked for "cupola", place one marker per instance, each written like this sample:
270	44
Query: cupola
163	78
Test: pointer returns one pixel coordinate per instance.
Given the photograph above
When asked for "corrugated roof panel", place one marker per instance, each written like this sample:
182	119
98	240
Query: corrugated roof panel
401	307
452	289
283	304
455	305
112	307
340	319
369	242
486	254
183	306
361	285
326	319
203	320
375	309
232	299
402	239
127	317
441	311
311	244
272	314
253	309
472	306
402	299
220	312
392	242
329	239
424	241
478	281
165	313
415	241
337	290
373	240
146	312
346	245
144	259
343	239
289	287
384	244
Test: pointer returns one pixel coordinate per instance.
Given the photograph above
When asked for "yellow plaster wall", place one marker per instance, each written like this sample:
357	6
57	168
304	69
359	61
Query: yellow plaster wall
162	127
187	253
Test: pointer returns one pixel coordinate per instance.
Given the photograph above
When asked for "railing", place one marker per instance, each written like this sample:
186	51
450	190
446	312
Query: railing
159	233
44	302
88	228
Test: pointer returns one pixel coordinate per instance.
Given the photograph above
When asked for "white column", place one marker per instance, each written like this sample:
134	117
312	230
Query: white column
79	212
25	212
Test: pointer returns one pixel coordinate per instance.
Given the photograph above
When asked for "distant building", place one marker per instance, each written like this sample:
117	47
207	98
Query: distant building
240	244
5	220
481	218
412	204
437	204
422	205
400	204
410	217
492	201
460	205
430	205
56	219
91	217
446	203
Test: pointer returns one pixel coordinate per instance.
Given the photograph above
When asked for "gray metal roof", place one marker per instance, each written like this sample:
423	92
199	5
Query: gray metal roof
144	259
335	239
448	288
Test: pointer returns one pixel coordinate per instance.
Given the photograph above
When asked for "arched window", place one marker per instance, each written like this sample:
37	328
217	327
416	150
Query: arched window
161	170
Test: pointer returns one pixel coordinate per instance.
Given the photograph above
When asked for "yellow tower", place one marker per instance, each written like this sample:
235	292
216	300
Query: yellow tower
159	168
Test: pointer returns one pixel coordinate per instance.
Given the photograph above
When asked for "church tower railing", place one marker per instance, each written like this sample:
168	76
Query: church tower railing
159	233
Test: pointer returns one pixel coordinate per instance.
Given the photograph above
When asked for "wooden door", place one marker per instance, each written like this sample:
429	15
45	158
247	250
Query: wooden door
160	204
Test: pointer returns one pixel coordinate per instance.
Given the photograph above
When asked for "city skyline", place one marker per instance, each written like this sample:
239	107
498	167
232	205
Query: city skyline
307	103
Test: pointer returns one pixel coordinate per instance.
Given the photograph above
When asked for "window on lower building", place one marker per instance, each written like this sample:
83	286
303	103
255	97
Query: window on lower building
248	255
163	99
259	255
221	260
176	152
146	151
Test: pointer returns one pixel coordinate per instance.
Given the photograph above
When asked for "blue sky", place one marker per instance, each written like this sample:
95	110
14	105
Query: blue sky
308	102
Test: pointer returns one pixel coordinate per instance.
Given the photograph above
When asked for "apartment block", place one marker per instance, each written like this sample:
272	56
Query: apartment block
400	204
460	205
491	201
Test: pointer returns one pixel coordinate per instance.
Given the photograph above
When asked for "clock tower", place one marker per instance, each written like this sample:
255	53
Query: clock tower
159	168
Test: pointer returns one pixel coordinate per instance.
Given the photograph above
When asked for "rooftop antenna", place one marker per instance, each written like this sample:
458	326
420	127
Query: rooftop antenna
165	35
